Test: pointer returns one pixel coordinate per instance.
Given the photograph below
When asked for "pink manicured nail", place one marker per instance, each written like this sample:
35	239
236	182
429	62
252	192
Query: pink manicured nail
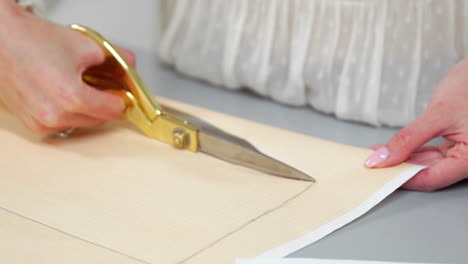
377	157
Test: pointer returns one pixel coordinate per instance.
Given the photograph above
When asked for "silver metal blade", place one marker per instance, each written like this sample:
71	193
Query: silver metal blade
222	145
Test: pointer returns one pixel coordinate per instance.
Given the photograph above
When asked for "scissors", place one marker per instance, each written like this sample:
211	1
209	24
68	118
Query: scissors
176	128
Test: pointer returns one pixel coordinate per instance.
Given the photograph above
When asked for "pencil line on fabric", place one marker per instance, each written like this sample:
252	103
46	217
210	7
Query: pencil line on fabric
76	237
269	211
246	224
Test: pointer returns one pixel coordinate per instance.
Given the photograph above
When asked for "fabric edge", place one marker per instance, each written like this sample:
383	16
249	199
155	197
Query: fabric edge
364	207
315	261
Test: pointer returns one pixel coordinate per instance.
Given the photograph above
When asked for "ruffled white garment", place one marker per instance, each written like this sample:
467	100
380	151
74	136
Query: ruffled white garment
372	61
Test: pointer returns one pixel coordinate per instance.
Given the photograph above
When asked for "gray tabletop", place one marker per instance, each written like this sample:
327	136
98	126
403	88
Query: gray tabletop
407	226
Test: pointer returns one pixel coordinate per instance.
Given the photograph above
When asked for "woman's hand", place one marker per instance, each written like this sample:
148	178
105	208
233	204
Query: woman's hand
446	116
41	66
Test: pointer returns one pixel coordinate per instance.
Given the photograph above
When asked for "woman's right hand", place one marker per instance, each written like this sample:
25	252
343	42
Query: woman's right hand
41	67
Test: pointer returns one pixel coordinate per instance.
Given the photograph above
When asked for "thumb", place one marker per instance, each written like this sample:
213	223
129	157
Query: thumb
128	55
442	174
405	141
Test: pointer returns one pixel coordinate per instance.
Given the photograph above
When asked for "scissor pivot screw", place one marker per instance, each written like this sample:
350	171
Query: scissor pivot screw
179	138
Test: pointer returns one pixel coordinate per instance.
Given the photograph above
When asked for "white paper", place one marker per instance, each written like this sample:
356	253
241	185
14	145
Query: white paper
275	255
339	222
311	261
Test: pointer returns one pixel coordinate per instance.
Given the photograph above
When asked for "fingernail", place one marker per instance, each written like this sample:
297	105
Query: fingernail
377	157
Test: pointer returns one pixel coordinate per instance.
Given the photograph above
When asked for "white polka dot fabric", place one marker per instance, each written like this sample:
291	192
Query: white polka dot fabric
372	61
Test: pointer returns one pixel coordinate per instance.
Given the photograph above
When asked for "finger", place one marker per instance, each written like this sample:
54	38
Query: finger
128	55
40	129
442	174
82	121
37	127
424	149
425	156
62	123
446	145
76	121
376	147
88	52
98	104
91	54
407	140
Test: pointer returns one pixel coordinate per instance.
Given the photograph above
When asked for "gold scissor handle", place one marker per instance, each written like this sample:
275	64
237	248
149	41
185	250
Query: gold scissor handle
117	76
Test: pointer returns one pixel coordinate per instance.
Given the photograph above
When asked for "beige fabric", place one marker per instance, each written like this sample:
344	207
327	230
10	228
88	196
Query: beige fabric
128	193
24	241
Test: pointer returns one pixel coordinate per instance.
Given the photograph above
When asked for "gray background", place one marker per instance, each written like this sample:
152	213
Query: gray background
407	226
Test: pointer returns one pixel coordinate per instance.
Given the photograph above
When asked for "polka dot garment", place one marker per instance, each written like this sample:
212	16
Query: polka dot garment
376	62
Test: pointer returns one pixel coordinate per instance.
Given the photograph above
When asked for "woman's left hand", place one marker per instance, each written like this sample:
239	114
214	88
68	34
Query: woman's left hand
446	116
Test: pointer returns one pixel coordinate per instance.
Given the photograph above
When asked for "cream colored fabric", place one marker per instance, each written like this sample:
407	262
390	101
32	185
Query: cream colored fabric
133	195
371	61
23	241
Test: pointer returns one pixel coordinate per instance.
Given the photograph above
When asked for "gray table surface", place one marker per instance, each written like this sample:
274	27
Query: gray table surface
407	226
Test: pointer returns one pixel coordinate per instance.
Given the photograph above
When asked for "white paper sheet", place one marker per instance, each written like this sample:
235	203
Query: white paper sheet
339	222
312	261
275	255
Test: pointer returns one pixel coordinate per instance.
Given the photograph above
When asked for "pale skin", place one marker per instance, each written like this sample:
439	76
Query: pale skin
41	65
446	116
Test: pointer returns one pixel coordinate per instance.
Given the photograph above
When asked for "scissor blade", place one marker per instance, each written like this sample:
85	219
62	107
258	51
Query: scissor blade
239	154
222	145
